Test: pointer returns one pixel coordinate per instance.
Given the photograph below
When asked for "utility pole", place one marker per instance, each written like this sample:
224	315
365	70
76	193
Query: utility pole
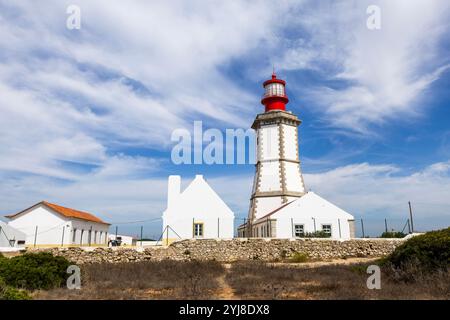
409	226
411	217
142	230
385	225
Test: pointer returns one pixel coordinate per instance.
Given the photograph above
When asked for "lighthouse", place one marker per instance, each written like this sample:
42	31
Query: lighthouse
280	206
278	178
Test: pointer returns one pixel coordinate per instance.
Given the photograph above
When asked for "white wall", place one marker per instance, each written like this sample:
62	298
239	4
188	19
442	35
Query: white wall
199	203
311	206
267	205
99	234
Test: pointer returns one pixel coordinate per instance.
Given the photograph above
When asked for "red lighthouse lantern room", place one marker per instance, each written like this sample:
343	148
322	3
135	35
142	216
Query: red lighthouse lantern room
274	97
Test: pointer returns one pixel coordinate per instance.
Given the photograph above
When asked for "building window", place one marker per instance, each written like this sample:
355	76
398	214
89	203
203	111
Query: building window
326	228
198	229
299	230
74	235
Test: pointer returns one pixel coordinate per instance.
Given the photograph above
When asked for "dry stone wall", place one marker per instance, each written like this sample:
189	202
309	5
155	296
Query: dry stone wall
234	250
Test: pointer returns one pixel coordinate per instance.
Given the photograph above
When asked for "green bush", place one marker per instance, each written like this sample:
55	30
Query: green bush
317	234
299	257
34	271
429	252
9	293
393	234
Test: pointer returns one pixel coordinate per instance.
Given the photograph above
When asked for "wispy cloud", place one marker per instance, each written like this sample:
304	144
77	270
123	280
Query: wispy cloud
378	75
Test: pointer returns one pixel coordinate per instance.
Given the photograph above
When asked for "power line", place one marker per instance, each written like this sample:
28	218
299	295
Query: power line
138	221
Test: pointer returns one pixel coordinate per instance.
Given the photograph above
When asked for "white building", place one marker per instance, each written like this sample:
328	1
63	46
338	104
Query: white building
10	238
49	225
197	212
279	201
310	213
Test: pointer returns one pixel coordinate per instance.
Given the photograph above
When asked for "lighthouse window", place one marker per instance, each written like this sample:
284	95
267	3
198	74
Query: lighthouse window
274	89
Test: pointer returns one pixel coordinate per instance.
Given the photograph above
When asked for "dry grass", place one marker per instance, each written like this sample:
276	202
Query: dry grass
144	280
253	280
249	280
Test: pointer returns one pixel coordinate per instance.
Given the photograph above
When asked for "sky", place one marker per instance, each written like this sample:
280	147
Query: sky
86	115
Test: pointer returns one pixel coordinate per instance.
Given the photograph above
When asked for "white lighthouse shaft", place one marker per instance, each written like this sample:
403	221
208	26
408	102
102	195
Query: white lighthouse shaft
278	177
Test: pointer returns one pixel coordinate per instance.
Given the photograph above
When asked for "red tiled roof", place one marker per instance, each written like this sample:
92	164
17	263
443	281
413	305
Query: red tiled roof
66	212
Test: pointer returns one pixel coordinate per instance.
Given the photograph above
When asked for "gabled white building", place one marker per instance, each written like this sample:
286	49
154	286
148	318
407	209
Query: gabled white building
10	238
49	225
308	214
197	212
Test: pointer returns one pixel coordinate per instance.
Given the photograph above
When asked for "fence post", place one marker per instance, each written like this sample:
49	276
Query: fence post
62	239
411	217
362	227
35	236
339	224
292	228
167	235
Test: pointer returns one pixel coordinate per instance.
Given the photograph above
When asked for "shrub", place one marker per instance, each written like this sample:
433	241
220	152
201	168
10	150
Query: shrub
428	252
299	257
34	271
317	234
9	293
393	234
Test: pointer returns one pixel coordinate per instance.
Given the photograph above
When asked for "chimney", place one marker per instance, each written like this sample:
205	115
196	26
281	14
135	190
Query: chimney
174	189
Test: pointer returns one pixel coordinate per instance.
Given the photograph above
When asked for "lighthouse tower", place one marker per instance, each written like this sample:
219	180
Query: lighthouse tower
278	178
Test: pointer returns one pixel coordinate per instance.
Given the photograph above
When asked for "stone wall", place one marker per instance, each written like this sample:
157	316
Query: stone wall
234	250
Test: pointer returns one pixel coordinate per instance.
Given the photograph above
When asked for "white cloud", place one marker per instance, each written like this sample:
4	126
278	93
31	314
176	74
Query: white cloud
127	78
385	72
382	191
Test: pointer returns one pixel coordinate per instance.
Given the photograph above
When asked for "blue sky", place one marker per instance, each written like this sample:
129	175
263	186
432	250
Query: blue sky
87	115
